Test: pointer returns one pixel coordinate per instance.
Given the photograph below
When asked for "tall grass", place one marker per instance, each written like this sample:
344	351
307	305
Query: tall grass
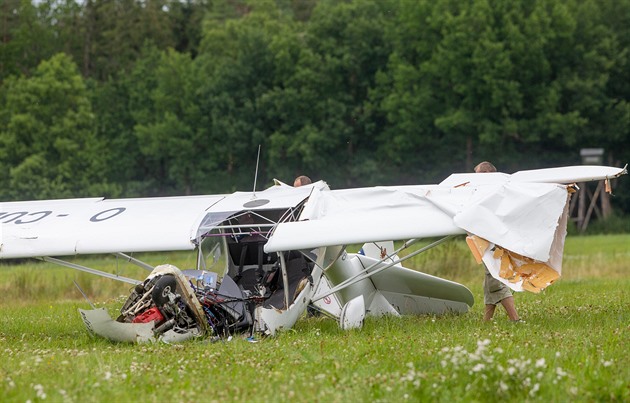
33	280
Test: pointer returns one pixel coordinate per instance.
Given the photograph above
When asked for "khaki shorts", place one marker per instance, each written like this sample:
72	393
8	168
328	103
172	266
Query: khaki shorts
494	291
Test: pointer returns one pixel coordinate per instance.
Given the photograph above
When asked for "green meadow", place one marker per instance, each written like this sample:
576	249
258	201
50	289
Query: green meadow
573	346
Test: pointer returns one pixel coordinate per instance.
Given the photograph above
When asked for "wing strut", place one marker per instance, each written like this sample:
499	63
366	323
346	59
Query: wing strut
135	261
364	273
91	271
285	279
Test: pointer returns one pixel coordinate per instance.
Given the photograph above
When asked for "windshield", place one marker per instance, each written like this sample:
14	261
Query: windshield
212	253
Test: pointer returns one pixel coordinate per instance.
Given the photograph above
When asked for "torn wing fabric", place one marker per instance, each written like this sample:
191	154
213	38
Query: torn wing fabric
522	247
525	219
353	216
517	271
521	217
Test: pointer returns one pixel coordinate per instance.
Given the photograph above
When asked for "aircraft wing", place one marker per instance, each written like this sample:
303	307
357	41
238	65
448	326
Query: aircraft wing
356	216
519	216
560	175
520	210
524	214
96	225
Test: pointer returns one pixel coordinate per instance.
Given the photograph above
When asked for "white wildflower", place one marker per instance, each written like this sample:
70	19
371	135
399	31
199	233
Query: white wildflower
108	376
540	363
560	372
534	389
478	367
39	389
503	387
607	363
511	370
483	343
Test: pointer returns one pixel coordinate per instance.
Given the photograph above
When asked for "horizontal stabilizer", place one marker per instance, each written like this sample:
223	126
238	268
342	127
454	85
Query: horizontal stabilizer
413	292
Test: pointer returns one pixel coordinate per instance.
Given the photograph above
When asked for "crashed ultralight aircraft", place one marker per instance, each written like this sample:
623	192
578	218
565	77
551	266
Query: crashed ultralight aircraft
264	257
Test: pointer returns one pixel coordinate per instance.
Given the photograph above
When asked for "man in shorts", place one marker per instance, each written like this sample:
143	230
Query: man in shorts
494	291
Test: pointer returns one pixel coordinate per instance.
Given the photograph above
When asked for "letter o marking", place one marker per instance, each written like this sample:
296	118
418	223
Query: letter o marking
113	212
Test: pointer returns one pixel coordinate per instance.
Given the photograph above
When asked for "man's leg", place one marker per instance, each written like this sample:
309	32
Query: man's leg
508	304
489	312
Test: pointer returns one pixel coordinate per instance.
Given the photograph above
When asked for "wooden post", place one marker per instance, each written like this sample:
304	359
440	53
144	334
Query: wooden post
581	206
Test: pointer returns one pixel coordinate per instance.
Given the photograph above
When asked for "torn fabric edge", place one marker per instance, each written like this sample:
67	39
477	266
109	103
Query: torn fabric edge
520	217
520	272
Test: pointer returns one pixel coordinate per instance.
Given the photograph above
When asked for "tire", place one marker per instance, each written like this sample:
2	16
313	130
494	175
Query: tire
165	285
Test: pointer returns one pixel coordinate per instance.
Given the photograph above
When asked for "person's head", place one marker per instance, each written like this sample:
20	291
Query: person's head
301	181
485	167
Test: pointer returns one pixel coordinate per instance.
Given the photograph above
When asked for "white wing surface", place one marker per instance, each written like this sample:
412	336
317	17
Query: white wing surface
84	226
97	225
523	214
520	211
560	175
354	216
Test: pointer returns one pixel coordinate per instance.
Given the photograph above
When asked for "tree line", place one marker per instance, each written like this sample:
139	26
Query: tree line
125	98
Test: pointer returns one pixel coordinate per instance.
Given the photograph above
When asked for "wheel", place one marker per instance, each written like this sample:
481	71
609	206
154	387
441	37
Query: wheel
164	286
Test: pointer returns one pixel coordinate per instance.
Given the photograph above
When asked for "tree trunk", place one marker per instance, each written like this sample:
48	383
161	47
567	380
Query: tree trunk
469	153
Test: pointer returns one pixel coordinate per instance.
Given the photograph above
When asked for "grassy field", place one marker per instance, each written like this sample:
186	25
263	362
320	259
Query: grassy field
574	344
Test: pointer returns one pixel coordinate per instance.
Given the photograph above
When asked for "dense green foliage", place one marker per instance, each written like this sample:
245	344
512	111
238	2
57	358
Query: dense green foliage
157	97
